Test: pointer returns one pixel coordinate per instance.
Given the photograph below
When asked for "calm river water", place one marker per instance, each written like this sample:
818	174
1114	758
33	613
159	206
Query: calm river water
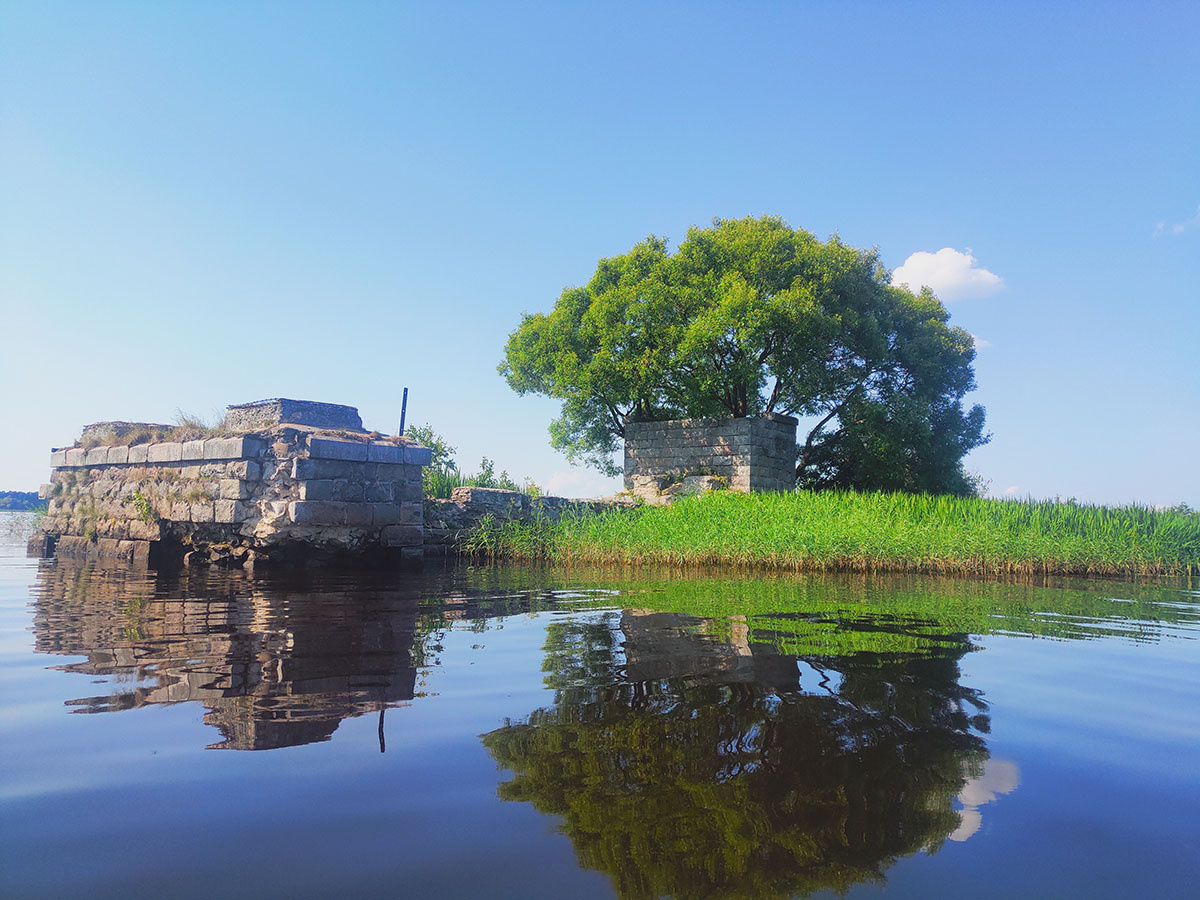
520	733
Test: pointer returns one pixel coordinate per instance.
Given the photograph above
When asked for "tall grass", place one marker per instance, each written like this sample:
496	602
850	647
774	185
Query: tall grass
439	483
867	532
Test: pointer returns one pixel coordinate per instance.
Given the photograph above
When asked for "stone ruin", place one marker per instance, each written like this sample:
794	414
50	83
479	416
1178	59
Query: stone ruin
299	481
277	480
665	460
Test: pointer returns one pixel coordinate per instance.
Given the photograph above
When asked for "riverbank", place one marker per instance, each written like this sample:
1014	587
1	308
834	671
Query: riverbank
867	532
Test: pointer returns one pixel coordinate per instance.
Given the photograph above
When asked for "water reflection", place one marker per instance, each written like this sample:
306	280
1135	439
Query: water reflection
274	667
698	736
688	760
992	777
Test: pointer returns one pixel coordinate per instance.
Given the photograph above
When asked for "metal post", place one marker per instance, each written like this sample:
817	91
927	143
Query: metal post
403	411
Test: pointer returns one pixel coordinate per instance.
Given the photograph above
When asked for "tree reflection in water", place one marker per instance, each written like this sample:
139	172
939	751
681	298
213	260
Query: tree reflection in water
688	761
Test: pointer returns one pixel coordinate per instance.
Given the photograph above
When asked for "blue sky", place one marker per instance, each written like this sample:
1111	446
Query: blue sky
203	204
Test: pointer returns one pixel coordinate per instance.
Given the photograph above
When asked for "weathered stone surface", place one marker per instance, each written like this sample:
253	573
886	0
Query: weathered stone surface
246	469
233	489
401	536
378	451
241	496
749	454
379	492
113	528
417	456
126	551
385	513
264	414
58	459
304	469
145	531
407	490
201	511
45	491
391	472
332	489
318	489
331	448
317	512
170	451
230	511
350	491
242	447
40	545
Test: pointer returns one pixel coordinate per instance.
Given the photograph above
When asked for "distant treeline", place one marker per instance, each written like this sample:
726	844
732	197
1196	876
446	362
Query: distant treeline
19	500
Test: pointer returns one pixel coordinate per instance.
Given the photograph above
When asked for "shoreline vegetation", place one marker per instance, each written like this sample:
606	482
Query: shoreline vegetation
862	532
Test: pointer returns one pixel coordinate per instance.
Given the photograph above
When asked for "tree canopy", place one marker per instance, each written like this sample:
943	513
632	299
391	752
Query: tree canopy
749	317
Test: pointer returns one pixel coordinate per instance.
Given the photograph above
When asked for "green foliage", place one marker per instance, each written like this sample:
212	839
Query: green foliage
750	317
442	476
144	508
487	477
526	540
842	530
442	452
440	483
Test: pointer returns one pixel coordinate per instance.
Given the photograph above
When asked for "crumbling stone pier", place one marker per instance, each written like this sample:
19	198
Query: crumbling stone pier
666	459
278	480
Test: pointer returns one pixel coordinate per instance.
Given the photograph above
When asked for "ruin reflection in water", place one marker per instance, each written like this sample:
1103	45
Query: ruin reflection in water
274	667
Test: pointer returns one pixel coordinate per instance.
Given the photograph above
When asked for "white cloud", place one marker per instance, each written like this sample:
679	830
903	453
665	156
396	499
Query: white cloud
1162	228
1011	490
980	343
951	274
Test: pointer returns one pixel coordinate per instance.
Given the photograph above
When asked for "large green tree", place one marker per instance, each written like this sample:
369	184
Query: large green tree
750	317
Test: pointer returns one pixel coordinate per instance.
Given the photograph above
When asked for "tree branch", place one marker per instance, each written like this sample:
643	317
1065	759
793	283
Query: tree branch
774	397
812	435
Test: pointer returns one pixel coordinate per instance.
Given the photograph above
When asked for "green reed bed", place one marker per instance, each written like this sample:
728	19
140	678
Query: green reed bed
865	532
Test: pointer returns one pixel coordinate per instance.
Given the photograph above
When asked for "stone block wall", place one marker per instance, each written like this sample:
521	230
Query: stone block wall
281	493
753	454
